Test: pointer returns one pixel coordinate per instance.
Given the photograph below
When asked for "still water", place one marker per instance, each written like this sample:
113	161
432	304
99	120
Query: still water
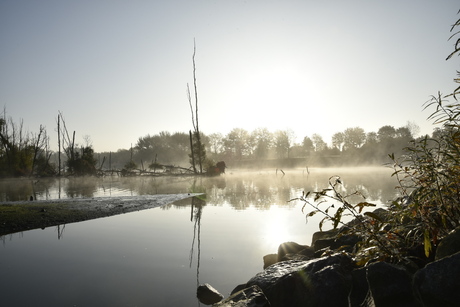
157	257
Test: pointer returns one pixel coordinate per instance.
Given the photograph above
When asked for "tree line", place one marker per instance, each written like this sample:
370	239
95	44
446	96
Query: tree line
28	154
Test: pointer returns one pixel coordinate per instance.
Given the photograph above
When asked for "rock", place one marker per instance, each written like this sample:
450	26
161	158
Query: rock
300	257
438	283
359	287
449	245
270	259
344	242
322	235
207	295
389	285
289	248
252	296
307	283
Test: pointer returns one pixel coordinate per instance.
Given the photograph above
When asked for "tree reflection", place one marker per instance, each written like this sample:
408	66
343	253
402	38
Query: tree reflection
239	189
196	212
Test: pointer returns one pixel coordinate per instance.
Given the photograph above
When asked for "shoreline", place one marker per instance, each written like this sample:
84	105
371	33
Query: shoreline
28	215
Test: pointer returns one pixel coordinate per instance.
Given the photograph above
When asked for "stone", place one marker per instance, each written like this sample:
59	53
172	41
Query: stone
252	296
438	283
343	242
322	235
359	287
289	248
307	283
207	295
449	245
389	285
270	259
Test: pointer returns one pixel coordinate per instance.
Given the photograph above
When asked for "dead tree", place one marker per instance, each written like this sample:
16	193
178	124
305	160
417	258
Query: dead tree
196	147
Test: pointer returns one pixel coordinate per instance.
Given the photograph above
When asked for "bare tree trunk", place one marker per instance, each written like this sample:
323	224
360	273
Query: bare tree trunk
195	117
59	144
191	149
36	149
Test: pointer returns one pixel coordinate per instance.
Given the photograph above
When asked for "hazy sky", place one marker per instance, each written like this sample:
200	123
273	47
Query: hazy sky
118	70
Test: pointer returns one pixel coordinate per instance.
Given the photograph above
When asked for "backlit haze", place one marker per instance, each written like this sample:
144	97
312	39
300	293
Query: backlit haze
118	70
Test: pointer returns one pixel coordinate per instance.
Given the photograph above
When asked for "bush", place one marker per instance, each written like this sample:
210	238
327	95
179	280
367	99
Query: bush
429	204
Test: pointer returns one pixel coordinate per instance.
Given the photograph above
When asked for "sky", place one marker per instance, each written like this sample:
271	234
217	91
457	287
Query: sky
118	70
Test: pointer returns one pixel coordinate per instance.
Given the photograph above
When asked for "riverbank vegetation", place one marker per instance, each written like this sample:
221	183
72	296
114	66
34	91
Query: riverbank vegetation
428	208
28	154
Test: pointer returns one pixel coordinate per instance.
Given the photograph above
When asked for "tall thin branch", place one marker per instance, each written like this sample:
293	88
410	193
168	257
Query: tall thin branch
194	85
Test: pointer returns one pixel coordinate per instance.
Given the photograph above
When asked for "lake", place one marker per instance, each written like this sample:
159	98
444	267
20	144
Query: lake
157	257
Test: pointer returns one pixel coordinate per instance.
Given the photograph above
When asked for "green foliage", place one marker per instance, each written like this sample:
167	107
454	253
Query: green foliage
429	177
378	241
22	153
83	162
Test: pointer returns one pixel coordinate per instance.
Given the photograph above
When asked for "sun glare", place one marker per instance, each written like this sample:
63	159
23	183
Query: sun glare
276	230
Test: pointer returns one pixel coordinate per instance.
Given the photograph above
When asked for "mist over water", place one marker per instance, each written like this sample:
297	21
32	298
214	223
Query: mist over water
157	257
240	188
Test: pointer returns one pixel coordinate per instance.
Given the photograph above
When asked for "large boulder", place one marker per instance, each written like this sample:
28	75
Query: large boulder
252	296
270	259
307	283
359	287
438	283
389	285
449	245
287	250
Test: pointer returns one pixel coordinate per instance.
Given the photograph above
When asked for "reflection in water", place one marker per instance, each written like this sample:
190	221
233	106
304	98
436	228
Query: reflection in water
247	216
60	230
242	190
196	209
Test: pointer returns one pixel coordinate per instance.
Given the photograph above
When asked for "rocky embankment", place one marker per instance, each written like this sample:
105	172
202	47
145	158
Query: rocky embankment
299	275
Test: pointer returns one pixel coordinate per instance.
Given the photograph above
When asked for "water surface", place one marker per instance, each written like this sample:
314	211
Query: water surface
157	257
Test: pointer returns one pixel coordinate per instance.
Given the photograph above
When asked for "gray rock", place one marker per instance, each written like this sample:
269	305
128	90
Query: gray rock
207	295
289	248
270	259
449	245
438	283
252	296
389	285
343	242
307	283
322	235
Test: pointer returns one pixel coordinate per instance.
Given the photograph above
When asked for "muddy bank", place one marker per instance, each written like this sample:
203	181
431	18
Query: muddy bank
22	216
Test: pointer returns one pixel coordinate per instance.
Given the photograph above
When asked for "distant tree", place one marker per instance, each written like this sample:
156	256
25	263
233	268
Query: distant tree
83	163
216	144
263	140
354	138
235	143
338	140
386	133
318	142
282	144
371	138
22	153
403	132
413	128
307	145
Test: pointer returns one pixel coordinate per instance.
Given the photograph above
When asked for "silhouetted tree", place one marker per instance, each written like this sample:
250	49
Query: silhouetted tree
353	138
307	145
338	140
263	142
318	142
